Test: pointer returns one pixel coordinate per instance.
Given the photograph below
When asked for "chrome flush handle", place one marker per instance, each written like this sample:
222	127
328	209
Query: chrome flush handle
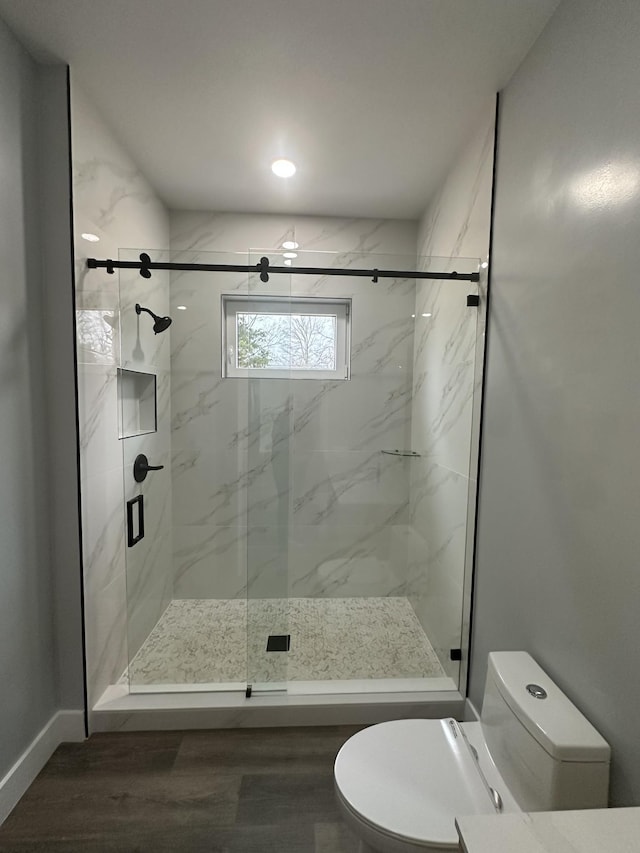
497	799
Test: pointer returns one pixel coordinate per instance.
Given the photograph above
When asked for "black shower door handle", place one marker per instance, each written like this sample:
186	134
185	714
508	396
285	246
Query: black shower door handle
141	468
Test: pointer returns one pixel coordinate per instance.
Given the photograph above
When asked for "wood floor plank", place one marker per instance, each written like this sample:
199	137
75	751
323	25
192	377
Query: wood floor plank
280	798
116	804
289	838
295	750
183	840
118	752
335	838
221	791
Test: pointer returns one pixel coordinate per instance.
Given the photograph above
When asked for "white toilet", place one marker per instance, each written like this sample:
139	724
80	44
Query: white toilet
401	784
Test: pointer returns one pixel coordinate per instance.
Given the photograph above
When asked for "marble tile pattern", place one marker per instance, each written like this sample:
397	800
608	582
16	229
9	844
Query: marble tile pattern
447	382
113	201
280	486
224	640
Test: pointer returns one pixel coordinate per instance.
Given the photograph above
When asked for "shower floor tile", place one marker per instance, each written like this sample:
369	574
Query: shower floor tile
224	641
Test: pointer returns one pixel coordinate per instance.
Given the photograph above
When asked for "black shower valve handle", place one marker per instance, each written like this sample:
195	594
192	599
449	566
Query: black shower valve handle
141	468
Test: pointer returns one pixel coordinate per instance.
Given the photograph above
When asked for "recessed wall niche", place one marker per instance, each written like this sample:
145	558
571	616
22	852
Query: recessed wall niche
137	409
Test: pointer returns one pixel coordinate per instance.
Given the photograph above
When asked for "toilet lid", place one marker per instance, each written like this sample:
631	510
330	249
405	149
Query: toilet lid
411	779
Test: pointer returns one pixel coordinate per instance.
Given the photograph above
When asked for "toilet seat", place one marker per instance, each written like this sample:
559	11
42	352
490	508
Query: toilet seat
409	779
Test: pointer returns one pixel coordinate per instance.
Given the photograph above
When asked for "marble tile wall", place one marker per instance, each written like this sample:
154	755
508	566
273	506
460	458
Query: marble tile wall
297	461
447	379
124	588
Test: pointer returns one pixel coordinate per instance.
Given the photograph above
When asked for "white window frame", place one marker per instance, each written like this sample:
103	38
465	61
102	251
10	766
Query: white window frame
233	304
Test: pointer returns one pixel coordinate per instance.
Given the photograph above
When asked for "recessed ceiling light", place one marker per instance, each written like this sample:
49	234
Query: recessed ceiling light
426	315
90	238
291	254
413	315
290	244
283	168
181	307
484	265
287	263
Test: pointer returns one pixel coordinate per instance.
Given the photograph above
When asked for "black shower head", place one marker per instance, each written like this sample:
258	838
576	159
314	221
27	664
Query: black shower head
159	323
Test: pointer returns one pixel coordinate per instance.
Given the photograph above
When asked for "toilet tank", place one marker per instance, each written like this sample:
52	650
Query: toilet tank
547	752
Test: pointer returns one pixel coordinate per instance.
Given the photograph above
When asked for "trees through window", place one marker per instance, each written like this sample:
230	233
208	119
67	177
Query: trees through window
278	336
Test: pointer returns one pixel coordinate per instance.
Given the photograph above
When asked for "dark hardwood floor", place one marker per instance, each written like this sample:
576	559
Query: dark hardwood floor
221	791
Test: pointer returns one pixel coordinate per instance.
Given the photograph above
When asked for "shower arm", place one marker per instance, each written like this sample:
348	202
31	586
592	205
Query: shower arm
140	309
264	268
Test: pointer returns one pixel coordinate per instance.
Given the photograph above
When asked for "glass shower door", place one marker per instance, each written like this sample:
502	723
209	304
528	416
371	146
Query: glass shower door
308	528
263	334
187	575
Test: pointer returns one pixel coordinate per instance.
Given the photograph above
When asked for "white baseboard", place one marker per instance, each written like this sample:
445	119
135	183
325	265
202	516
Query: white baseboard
63	726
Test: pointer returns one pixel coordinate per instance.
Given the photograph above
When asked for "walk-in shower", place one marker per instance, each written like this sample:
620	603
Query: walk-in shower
309	531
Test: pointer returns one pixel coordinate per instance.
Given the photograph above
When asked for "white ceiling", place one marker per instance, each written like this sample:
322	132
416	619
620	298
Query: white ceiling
371	98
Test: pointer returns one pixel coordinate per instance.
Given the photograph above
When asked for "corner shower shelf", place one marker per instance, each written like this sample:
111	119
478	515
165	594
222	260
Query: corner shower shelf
412	453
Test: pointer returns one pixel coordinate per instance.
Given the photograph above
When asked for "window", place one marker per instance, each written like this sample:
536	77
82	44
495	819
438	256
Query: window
281	337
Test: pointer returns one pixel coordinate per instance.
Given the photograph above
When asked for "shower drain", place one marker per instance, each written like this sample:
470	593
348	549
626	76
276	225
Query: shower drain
279	642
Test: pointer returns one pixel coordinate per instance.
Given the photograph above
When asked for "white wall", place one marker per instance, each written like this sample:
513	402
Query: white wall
27	667
126	589
59	376
448	355
40	636
557	570
326	509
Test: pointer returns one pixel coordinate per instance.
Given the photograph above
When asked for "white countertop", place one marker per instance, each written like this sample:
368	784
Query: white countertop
589	831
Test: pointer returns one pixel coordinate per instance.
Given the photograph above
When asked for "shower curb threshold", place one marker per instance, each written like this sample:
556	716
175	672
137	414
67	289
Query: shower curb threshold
119	710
